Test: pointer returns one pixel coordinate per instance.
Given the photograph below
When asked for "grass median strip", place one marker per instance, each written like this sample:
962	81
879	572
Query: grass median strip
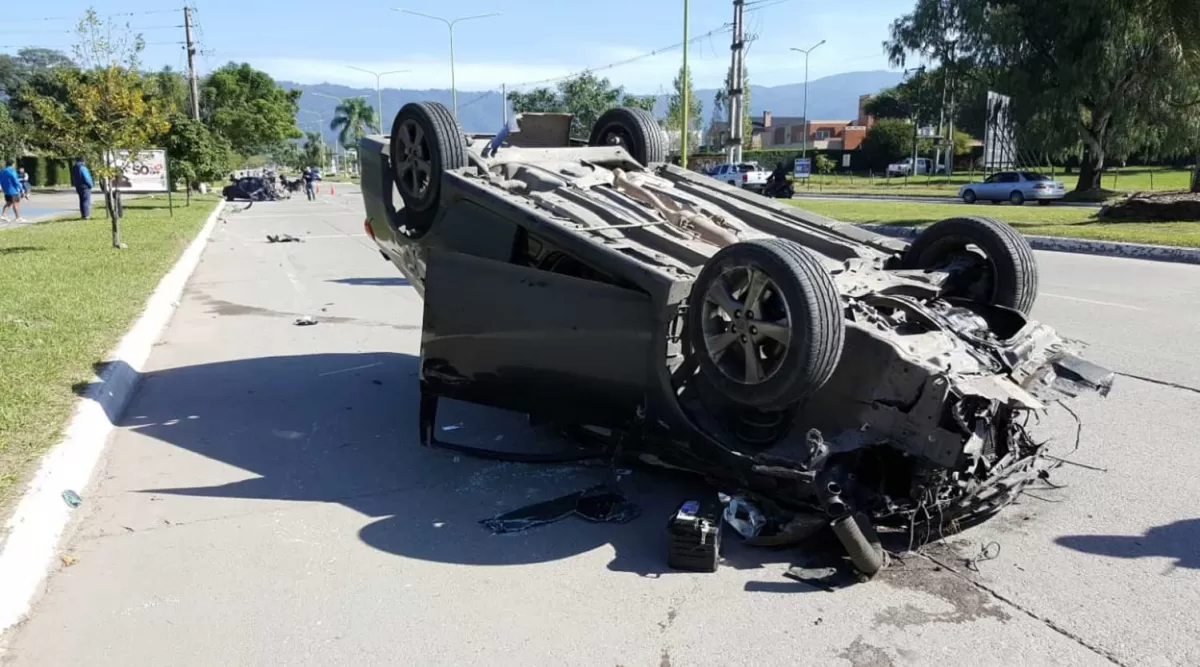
1063	221
66	298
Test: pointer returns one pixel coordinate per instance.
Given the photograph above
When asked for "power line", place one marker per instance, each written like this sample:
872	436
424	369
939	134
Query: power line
101	16
72	32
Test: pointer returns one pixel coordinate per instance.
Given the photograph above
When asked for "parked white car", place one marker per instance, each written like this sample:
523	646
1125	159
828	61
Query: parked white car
741	175
904	167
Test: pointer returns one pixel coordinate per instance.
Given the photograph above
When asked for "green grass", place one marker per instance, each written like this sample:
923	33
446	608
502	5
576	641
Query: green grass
1065	221
66	298
1131	179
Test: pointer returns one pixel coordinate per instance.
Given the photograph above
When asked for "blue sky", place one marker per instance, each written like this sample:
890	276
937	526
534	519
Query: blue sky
312	41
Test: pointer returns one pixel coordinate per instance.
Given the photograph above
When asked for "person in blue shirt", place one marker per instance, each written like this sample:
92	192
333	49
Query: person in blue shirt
10	182
81	180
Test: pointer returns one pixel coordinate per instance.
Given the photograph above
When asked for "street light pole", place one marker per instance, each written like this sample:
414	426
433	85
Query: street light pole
804	150
450	25
683	133
378	90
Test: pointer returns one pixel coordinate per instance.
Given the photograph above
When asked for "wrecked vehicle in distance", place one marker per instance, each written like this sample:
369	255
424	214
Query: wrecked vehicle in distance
812	366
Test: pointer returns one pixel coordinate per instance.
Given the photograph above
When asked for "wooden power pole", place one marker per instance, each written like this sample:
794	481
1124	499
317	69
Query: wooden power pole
191	62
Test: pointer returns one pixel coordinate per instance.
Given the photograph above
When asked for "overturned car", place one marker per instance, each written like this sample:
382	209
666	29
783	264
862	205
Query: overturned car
810	365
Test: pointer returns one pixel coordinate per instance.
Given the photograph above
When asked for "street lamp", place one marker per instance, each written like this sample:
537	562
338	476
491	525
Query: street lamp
449	24
804	151
378	92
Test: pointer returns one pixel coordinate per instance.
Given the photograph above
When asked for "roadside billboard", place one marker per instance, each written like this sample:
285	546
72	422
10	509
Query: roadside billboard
145	172
803	168
999	145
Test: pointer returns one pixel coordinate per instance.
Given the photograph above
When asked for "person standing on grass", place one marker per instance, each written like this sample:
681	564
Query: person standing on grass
81	180
10	182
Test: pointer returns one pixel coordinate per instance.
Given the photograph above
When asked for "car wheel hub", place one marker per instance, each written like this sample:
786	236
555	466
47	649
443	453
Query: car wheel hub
747	325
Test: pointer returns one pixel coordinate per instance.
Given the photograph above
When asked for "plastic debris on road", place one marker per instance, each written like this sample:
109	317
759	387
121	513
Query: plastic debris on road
306	321
744	517
71	498
283	238
598	504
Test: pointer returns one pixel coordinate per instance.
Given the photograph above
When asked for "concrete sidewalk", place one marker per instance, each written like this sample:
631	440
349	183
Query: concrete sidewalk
265	502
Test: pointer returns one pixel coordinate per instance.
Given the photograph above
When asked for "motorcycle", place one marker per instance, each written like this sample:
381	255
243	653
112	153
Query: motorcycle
780	188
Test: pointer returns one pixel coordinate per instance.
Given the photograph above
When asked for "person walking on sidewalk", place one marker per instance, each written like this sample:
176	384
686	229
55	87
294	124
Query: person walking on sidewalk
81	180
10	182
24	182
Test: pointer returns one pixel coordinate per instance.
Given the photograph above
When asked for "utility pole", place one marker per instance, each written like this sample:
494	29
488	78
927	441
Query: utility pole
683	127
736	78
191	62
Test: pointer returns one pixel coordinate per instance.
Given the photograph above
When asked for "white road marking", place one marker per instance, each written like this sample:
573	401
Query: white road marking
1093	301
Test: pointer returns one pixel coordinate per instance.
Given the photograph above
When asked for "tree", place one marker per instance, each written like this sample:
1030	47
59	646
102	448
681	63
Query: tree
195	153
104	109
675	107
12	137
585	96
16	70
353	119
1100	67
824	164
313	154
886	142
889	103
246	106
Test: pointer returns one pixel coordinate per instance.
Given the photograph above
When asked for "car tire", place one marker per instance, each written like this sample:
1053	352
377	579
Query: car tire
426	142
1016	198
1013	270
635	130
969	197
794	359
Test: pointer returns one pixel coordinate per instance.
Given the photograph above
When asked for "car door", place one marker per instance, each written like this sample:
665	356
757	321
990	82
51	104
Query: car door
501	333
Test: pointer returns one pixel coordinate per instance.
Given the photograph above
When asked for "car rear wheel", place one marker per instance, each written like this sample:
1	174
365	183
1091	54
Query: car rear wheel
635	130
969	197
1016	198
991	262
426	142
765	321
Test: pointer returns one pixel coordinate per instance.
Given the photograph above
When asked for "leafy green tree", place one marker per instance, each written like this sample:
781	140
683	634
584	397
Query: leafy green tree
890	103
248	108
585	96
887	141
313	153
824	164
195	153
695	107
106	108
352	119
1104	68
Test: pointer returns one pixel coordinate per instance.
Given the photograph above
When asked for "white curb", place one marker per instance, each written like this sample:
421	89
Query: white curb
42	514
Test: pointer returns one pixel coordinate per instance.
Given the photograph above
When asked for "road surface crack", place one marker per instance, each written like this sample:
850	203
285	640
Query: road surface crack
1049	623
1164	383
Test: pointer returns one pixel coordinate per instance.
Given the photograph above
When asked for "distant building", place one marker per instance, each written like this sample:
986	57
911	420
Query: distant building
787	132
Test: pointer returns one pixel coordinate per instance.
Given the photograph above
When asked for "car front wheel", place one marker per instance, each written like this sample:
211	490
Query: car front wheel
765	322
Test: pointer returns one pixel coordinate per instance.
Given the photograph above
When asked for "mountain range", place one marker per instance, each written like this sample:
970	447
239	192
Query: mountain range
829	98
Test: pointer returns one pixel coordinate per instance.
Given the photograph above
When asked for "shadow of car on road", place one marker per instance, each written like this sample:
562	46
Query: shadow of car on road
342	428
1179	541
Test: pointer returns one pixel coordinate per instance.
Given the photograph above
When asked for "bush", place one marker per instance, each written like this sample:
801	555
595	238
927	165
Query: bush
46	172
886	142
824	165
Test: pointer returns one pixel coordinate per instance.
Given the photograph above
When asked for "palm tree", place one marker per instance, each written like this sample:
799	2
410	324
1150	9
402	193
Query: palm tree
353	118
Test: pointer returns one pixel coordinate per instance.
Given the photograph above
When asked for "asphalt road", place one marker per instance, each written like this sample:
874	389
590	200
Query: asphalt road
265	502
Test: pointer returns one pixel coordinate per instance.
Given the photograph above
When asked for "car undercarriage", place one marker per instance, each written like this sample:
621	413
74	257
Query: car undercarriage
809	366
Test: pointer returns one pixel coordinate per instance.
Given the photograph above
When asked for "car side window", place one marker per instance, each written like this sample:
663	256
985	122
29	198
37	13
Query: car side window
1007	177
990	179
